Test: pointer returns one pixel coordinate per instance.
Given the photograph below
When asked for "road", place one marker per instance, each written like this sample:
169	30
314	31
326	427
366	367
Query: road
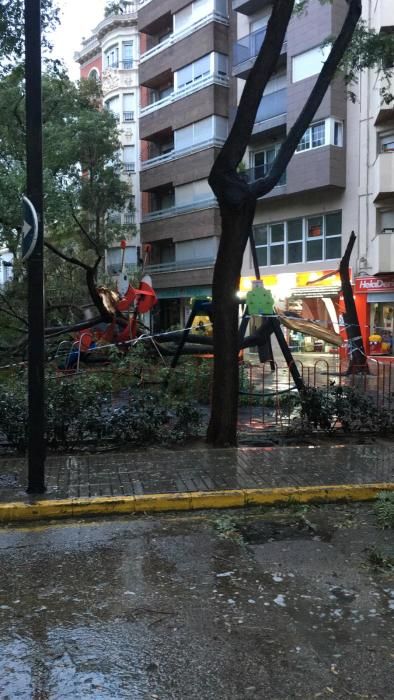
223	605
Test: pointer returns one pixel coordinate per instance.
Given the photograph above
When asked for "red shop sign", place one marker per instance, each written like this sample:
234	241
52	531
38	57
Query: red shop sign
375	284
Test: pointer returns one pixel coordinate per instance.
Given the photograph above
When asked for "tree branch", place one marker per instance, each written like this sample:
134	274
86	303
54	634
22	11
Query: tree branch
261	72
287	150
11	309
68	258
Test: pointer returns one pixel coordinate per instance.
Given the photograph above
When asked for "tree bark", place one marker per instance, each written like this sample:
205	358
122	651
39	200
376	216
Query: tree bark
358	362
237	201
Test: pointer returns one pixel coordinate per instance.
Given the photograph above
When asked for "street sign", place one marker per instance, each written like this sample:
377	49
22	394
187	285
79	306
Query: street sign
29	229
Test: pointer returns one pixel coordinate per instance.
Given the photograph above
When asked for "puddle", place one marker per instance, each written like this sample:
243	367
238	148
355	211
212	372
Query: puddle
263	531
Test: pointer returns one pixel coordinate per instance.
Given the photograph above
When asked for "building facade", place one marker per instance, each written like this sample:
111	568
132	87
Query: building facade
340	179
111	55
185	99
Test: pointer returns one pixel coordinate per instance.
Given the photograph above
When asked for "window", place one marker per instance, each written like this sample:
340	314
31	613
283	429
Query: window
129	158
299	240
323	133
127	54
261	162
386	143
294	241
111	57
210	64
197	10
128	107
196	191
113	105
309	63
94	74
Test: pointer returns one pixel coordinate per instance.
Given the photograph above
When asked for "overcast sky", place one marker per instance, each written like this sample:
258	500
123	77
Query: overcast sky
78	18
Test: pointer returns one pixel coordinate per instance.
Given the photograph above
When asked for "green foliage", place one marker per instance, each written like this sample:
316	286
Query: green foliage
345	407
381	560
384	509
12	29
80	412
190	381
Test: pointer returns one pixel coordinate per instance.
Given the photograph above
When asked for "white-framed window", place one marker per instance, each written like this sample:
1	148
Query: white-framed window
262	160
129	158
111	57
113	105
304	239
309	63
211	64
322	133
94	74
198	132
196	191
127	55
386	142
128	107
198	10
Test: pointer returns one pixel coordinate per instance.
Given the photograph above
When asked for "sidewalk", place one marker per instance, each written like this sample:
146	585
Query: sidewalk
178	479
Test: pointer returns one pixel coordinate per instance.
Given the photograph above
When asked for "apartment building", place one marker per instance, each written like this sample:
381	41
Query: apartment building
184	110
340	179
110	55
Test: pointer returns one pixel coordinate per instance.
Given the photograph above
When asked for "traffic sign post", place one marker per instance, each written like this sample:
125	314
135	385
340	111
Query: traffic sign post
33	247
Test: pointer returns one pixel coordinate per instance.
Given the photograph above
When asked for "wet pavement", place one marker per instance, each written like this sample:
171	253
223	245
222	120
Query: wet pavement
171	471
266	605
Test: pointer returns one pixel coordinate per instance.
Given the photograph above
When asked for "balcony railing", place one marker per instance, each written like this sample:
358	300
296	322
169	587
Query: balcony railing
178	36
179	265
129	167
116	268
259	171
248	46
207	203
128	116
272	105
196	85
181	152
128	64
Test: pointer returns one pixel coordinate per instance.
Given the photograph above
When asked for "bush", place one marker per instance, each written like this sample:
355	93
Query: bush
346	407
80	412
384	508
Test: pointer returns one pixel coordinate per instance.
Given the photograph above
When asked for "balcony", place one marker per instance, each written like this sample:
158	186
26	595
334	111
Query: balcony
249	7
169	212
196	85
128	116
384	177
181	153
178	36
272	111
180	265
129	168
246	50
260	171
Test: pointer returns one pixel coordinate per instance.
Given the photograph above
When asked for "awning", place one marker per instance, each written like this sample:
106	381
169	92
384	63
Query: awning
315	291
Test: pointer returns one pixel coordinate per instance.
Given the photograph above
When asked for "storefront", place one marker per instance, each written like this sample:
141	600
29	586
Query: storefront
308	296
175	305
374	298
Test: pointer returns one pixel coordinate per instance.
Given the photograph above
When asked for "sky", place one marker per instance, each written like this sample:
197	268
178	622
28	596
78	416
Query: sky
78	18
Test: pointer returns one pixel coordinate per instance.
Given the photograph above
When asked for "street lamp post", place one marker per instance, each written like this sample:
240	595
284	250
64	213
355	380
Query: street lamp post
35	268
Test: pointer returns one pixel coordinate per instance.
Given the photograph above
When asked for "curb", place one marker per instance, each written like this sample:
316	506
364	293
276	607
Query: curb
194	500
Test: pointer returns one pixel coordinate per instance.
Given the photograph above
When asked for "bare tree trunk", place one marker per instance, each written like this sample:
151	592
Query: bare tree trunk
222	429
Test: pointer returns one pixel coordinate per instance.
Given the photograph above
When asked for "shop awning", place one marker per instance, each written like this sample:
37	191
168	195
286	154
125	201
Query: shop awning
315	291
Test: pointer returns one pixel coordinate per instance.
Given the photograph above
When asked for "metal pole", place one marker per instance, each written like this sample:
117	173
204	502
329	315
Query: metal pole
35	268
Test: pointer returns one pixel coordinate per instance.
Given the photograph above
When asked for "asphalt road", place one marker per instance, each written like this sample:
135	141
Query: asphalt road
208	606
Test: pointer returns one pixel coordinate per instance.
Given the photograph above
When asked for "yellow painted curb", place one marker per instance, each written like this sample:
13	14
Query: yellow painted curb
160	502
